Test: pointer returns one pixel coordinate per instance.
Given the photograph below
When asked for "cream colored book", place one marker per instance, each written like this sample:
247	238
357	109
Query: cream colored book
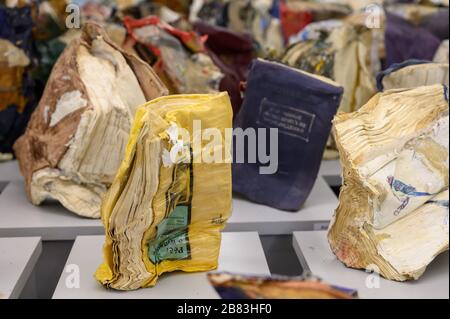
412	75
393	206
442	53
76	138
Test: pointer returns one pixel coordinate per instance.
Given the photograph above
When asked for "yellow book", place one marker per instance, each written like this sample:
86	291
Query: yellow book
169	201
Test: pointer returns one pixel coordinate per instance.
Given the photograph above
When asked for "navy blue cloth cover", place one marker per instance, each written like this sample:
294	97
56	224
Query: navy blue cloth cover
438	23
302	107
405	41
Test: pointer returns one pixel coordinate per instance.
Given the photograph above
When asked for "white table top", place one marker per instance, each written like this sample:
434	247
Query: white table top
240	252
9	171
315	255
51	221
332	172
18	257
330	167
2	186
315	214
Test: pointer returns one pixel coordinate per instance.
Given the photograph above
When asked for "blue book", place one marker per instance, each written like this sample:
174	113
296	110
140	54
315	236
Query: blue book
300	107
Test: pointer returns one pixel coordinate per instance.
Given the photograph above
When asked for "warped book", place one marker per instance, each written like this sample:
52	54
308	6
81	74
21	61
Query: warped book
169	200
76	137
393	205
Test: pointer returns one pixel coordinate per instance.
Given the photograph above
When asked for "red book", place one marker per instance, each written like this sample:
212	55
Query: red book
292	22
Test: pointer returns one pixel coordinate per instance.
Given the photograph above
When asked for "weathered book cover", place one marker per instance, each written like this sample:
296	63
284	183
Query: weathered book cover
300	106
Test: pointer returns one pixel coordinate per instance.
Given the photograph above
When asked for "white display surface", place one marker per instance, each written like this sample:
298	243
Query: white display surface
240	252
9	171
51	221
315	214
315	255
2	186
332	172
330	167
18	257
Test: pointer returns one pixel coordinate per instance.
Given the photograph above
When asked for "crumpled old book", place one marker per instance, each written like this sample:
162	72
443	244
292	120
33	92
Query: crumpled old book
300	106
393	206
76	137
51	47
17	97
169	200
293	21
258	17
315	31
233	53
442	53
345	54
297	14
209	11
411	74
344	51
234	286
177	56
